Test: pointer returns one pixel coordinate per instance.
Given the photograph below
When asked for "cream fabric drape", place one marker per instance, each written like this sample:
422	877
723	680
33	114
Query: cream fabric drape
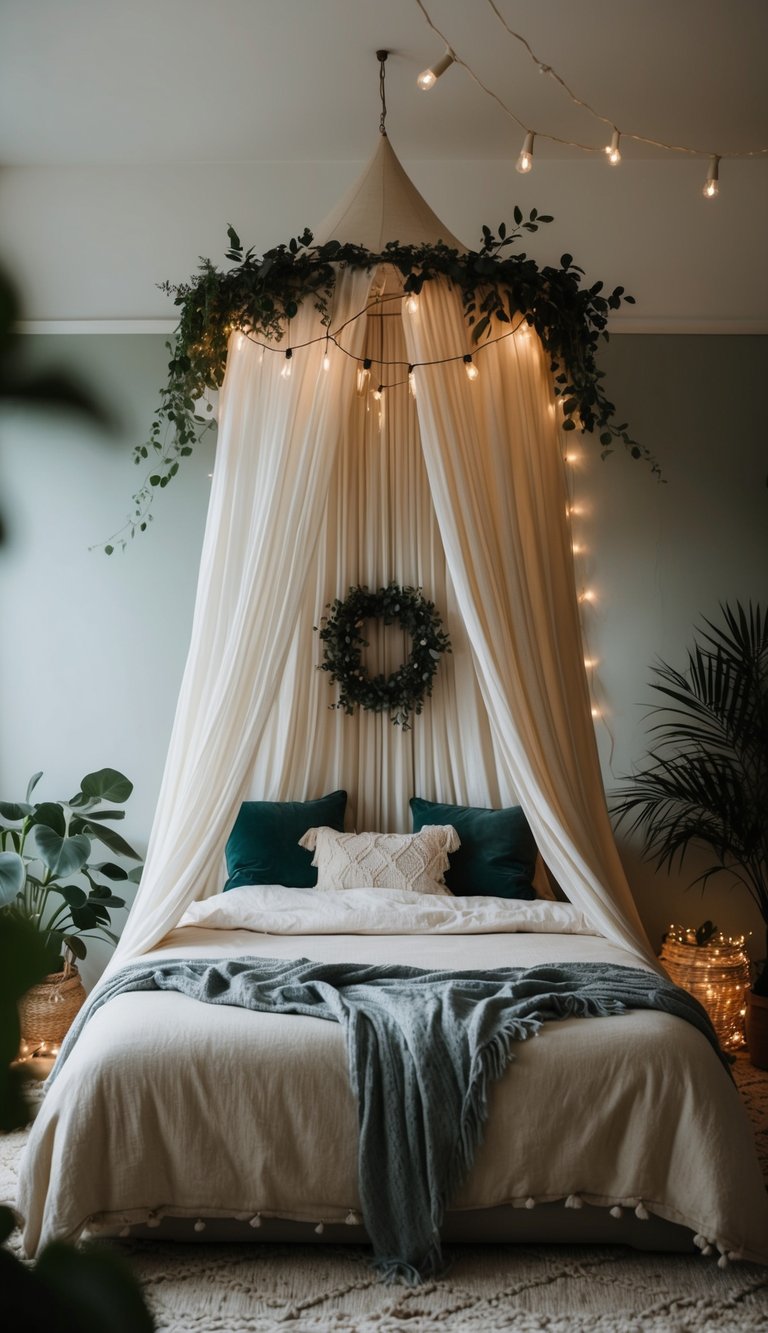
493	453
278	440
379	526
317	488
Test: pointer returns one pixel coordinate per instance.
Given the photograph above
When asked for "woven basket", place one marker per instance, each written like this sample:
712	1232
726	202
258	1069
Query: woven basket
718	976
47	1011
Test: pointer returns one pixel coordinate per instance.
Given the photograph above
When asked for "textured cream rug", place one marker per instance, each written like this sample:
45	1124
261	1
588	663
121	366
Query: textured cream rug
556	1289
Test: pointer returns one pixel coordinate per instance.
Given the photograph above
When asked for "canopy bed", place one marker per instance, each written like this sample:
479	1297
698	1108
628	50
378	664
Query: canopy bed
367	459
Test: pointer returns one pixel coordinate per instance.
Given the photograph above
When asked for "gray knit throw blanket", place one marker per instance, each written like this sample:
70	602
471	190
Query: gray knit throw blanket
423	1047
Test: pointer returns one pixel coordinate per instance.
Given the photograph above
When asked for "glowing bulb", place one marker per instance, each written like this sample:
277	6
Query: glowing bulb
411	382
326	362
613	150
577	549
571	457
470	367
587	596
363	376
378	392
428	77
286	370
590	663
595	712
525	160
711	187
412	304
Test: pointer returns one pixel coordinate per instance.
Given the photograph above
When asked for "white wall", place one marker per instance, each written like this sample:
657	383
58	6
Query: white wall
92	242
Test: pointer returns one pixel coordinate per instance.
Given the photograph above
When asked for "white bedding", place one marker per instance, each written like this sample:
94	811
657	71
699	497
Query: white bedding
168	1106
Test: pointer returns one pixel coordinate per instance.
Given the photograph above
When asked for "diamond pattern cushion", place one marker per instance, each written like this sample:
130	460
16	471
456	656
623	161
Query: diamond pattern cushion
415	862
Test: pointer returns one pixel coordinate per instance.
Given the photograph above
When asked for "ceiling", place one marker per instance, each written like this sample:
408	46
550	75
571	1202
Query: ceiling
192	81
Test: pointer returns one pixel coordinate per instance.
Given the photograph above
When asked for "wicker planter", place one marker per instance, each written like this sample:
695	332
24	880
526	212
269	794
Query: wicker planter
47	1011
757	1029
717	975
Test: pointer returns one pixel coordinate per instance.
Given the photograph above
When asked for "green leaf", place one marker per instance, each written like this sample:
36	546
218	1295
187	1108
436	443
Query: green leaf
33	781
107	785
13	874
104	814
72	895
75	945
14	810
62	856
111	839
50	815
110	870
84	917
134	875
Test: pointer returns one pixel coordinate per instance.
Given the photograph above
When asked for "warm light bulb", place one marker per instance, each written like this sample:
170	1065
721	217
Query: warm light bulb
412	304
595	712
326	362
378	392
587	596
711	186
613	150
363	376
577	549
411	382
590	663
428	77
286	370
470	367
571	457
525	160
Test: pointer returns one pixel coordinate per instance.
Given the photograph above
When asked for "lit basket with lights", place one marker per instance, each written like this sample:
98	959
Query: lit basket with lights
715	969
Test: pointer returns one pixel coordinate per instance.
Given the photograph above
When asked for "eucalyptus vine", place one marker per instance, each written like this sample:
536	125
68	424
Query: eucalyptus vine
262	293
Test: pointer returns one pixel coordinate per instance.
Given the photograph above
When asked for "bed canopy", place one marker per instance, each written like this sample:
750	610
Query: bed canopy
322	482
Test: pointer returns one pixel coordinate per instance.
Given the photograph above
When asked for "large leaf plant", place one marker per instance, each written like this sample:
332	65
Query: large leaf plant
705	781
50	871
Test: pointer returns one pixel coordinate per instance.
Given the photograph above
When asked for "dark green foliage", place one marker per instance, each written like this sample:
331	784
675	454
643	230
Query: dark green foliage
261	294
44	844
705	781
403	692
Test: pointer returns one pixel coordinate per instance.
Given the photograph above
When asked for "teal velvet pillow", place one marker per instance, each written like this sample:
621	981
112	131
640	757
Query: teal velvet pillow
263	845
497	854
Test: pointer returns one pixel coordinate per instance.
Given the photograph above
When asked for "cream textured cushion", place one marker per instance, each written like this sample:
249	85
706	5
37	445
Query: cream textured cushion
412	861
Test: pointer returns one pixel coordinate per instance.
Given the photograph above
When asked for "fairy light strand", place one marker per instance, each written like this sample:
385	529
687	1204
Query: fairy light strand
545	68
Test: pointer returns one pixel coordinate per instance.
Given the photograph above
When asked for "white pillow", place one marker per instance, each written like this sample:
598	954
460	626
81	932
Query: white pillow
415	862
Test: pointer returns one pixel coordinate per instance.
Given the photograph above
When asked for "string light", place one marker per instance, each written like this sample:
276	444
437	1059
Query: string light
711	185
525	160
590	663
286	370
613	150
411	382
363	376
326	358
588	595
595	711
470	367
428	77
412	304
378	392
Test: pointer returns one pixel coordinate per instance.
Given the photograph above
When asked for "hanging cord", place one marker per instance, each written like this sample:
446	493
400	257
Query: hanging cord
381	56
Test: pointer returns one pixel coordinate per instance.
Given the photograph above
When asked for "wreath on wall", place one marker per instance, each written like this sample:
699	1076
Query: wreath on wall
401	693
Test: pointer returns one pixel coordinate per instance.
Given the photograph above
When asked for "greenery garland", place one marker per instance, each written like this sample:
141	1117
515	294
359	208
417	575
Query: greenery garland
402	693
260	294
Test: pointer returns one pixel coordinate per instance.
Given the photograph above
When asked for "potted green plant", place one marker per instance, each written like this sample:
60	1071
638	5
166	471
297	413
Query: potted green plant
705	780
49	876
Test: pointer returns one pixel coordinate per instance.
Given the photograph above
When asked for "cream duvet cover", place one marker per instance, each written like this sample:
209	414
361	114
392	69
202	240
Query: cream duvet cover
169	1107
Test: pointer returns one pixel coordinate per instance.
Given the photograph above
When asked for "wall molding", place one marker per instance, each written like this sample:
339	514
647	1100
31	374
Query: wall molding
618	325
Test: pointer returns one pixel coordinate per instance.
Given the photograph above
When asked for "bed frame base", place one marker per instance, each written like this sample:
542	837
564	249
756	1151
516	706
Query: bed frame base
547	1224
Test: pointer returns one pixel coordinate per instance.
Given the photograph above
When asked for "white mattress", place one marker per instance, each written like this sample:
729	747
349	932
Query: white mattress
169	1107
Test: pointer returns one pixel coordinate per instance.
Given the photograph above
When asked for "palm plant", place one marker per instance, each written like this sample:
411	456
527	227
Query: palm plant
705	782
